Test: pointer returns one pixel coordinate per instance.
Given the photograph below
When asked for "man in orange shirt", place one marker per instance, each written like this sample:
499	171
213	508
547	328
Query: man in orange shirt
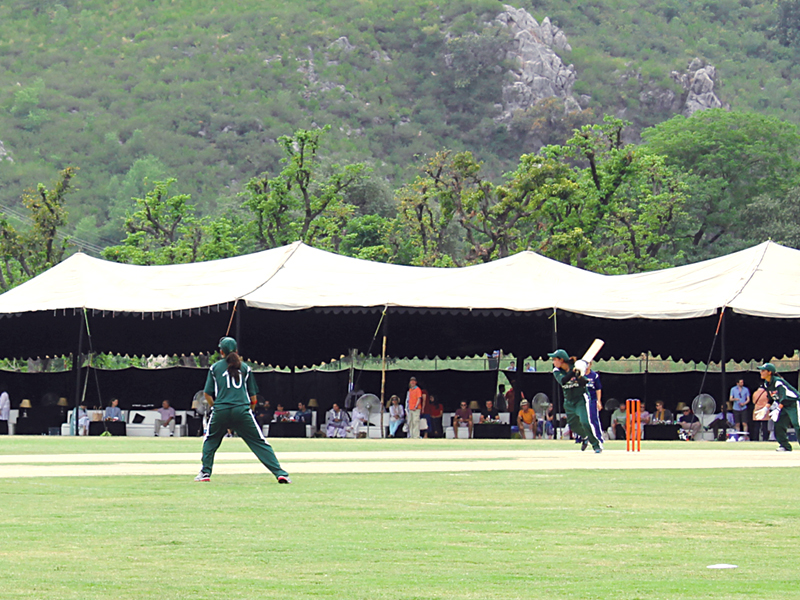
414	406
526	420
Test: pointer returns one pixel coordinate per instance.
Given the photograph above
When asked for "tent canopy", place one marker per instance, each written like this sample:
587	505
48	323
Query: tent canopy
307	305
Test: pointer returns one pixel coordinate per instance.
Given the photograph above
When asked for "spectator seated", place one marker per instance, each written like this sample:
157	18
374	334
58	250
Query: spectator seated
311	429
142	422
374	429
463	433
67	427
13	415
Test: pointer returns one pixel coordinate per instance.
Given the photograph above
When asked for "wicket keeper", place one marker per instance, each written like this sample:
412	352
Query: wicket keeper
786	396
576	399
233	387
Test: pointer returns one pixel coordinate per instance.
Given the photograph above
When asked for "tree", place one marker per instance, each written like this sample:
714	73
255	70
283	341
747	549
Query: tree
593	202
28	253
548	122
25	107
627	208
367	237
496	220
776	219
641	221
732	158
371	196
472	66
302	202
135	184
164	230
423	227
788	26
15	268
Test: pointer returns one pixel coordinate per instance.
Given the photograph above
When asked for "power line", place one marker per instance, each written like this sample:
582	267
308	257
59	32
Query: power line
81	244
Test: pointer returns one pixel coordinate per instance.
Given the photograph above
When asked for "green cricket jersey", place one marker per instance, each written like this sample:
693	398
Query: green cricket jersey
778	389
574	386
227	392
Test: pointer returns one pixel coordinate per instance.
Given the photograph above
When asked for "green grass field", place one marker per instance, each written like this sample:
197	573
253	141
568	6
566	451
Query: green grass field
554	534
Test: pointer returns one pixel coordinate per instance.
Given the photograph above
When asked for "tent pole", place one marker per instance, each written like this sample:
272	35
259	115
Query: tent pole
383	369
291	382
555	392
646	371
722	360
711	351
230	321
76	367
351	377
239	330
383	382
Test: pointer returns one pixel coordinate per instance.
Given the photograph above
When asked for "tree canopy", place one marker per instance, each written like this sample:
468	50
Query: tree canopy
697	185
41	244
201	92
731	158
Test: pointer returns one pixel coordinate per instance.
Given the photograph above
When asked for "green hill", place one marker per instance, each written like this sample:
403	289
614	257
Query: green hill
200	90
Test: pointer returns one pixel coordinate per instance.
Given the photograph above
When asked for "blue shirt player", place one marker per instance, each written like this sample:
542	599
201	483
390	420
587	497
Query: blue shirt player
595	388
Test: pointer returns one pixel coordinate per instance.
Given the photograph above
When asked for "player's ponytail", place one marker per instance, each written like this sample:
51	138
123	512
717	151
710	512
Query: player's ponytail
234	365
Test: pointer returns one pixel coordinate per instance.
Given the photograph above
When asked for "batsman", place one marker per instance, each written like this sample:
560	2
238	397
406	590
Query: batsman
785	411
576	399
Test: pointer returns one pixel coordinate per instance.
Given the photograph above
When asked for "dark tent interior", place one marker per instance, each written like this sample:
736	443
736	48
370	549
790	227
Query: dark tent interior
309	337
146	388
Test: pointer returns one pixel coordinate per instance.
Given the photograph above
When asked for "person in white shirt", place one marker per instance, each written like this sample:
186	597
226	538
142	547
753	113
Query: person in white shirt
336	422
83	420
5	411
358	420
397	416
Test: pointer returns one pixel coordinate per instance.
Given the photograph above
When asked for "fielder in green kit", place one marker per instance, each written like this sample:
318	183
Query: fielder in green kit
576	399
233	387
786	398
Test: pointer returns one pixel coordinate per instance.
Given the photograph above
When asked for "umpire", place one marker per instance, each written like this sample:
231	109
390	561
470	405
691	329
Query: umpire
233	387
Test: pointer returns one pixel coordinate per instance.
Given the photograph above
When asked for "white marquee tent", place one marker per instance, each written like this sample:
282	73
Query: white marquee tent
300	292
298	277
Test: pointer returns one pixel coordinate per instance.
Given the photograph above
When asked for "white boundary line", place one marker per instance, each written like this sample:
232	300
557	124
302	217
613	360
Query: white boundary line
423	461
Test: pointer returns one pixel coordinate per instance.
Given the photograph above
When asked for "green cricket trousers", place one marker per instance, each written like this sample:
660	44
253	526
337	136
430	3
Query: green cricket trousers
787	418
241	420
578	420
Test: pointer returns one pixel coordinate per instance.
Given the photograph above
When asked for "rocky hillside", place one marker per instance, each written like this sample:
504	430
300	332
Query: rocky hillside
201	91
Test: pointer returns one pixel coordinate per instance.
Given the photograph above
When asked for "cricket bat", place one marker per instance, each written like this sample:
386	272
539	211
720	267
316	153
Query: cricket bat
583	363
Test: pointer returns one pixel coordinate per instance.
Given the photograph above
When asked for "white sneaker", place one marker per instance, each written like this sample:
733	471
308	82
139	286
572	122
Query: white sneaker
781	449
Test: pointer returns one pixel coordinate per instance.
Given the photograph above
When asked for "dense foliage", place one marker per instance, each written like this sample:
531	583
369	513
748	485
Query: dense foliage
730	160
201	91
178	116
27	252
